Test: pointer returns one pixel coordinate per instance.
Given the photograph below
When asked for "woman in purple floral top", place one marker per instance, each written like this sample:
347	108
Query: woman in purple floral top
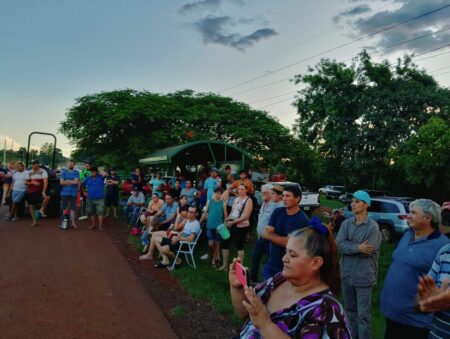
299	302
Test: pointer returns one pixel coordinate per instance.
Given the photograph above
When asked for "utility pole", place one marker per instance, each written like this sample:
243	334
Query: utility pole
4	153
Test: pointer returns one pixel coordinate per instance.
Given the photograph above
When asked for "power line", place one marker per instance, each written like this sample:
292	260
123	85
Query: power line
442	74
274	97
276	103
337	47
290	77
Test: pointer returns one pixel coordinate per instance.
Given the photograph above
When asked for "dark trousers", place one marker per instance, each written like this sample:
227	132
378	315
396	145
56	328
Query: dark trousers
260	249
395	330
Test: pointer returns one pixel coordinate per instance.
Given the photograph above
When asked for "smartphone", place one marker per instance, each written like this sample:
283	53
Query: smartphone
242	274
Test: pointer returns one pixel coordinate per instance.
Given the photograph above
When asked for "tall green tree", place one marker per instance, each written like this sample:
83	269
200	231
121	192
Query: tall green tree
353	115
425	158
120	127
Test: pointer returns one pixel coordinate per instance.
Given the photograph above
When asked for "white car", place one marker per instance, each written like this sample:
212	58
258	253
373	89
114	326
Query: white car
332	190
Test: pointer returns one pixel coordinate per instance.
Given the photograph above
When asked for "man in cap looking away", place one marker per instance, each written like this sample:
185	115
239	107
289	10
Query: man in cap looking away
211	183
359	241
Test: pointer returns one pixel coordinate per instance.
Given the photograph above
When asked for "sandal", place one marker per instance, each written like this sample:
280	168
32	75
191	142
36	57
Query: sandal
160	265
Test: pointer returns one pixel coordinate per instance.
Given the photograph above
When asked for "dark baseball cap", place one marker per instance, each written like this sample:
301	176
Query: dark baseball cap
35	161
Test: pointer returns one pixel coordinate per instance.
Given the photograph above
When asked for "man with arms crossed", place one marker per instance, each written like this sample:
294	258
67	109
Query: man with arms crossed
70	178
359	241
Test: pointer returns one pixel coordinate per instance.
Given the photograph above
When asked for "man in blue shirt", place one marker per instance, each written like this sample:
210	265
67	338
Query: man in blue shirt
134	204
95	205
411	259
69	181
283	221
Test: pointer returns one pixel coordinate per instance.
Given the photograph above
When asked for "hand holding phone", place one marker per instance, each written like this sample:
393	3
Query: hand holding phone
241	274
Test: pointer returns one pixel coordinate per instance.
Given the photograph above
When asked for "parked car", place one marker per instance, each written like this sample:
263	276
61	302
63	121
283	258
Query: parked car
309	201
391	214
332	191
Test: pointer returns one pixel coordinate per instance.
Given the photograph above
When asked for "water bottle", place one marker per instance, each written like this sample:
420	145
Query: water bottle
65	221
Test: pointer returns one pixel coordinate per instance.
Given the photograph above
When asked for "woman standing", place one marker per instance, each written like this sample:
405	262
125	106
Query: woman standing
238	222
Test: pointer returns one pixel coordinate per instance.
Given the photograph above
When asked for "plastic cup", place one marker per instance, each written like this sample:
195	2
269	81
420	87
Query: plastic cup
223	231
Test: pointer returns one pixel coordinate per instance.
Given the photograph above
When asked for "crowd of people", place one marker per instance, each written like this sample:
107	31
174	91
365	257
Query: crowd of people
296	293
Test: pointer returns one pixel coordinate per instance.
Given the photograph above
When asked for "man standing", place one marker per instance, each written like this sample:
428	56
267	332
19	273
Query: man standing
283	221
359	241
211	183
261	246
412	259
70	179
37	183
17	190
3	174
112	191
85	172
95	204
134	204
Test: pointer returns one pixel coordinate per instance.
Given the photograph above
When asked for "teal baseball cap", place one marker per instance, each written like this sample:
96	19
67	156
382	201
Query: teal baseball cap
363	196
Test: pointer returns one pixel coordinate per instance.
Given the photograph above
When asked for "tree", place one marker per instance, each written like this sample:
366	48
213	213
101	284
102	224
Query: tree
354	115
46	155
425	158
123	126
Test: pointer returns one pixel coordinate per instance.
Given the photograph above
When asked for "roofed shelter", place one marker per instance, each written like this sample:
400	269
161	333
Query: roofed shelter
195	156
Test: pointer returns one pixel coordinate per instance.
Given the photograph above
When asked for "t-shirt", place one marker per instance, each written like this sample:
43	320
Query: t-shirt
189	194
191	227
96	187
168	210
440	270
70	190
283	224
19	180
215	214
210	185
112	188
2	171
136	199
37	177
175	193
156	183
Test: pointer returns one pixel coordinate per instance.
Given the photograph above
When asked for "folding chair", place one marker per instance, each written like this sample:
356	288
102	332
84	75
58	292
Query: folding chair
188	252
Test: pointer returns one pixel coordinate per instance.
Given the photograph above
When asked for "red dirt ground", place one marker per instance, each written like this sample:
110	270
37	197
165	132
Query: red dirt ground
71	284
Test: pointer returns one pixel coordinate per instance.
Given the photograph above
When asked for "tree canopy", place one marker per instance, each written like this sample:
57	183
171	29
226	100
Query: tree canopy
355	115
122	126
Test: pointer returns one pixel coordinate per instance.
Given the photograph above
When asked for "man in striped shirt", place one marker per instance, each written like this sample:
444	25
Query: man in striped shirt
434	294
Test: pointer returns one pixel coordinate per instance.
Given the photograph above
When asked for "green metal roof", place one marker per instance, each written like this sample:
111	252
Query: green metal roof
166	155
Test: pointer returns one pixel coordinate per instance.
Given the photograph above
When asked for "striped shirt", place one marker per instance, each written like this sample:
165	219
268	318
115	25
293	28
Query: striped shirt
439	271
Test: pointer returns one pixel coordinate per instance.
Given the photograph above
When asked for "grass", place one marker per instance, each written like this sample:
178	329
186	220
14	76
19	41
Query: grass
212	287
177	311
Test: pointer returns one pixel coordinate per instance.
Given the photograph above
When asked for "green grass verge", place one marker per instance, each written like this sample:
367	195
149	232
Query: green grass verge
211	286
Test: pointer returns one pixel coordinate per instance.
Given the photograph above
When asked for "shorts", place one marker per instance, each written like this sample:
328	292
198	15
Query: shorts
95	207
112	198
17	196
34	198
213	235
173	247
68	200
240	233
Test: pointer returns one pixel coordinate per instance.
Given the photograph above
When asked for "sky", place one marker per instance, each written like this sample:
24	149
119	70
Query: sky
54	51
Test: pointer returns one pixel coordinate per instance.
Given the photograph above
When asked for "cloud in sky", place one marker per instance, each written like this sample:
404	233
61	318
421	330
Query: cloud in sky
200	5
216	30
402	10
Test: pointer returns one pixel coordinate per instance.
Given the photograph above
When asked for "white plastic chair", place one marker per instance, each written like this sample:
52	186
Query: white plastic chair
188	251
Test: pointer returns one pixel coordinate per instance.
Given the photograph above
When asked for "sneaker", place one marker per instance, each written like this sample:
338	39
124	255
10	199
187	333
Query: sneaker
204	256
83	217
14	219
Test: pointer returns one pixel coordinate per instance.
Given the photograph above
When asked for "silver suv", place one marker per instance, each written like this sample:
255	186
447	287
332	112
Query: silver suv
391	214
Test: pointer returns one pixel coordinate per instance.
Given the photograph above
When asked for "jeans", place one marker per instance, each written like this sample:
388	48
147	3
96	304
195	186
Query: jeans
358	306
145	238
131	213
260	249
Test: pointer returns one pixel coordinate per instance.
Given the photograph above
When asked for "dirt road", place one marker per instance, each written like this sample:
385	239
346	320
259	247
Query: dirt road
71	284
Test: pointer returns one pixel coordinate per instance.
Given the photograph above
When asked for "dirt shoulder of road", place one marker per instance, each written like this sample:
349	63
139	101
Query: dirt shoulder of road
196	319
